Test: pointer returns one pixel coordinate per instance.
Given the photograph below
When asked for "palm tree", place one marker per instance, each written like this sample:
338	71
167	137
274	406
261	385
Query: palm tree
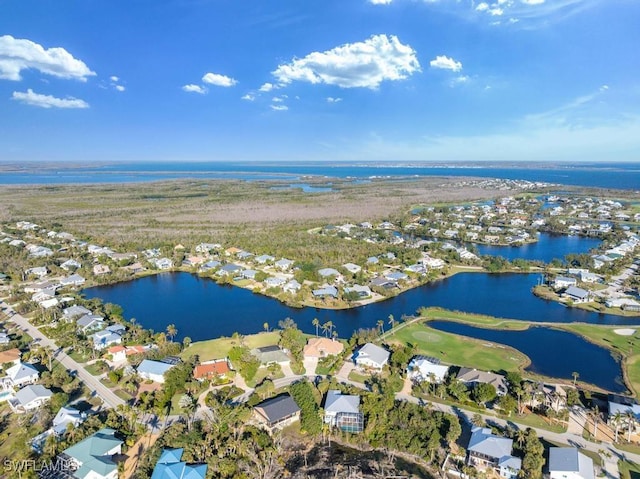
172	331
334	335
594	415
521	437
616	420
188	405
631	423
392	321
266	327
575	376
381	326
327	327
316	323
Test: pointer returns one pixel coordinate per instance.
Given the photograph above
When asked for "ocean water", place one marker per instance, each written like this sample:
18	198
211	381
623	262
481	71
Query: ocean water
604	175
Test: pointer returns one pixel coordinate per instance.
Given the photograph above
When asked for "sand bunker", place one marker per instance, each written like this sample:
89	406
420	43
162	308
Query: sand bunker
624	332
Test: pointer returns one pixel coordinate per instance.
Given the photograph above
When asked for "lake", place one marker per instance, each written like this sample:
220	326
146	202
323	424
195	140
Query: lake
202	309
562	353
547	248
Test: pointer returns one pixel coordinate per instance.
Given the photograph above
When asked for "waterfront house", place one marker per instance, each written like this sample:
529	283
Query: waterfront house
118	353
217	368
569	463
488	451
170	466
322	347
274	282
325	291
292	287
90	322
100	269
371	356
577	295
277	412
162	263
153	370
229	269
382	282
472	377
209	265
422	368
343	411
134	268
271	355
396	276
75	311
94	457
249	274
362	291
561	282
588	277
29	398
105	338
73	280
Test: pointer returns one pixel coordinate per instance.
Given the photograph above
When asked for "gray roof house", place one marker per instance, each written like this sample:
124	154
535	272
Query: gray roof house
92	457
577	295
265	258
488	451
209	265
361	291
292	287
105	338
277	412
270	355
73	280
90	322
371	356
66	416
30	397
473	376
327	272
153	370
343	411
21	374
325	291
75	311
229	269
569	463
283	264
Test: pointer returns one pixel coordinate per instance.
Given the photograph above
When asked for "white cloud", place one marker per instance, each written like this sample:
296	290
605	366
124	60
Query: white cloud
249	97
191	88
362	64
277	99
267	87
47	101
460	80
279	107
120	88
21	54
446	63
532	2
380	2
496	12
483	6
218	80
331	99
114	79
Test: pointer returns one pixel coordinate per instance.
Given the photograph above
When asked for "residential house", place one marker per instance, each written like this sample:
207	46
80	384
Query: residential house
352	268
21	374
343	411
561	282
588	277
4	339
75	311
373	260
163	263
153	370
29	398
362	291
93	457
209	265
487	451
10	357
371	356
326	291
105	338
292	287
569	463
264	259
205	248
66	416
623	406
396	276
271	355
422	368
382	282
328	273
249	274
134	268
73	280
90	322
218	368
283	264
274	282
40	271
70	264
577	295
277	412
322	347
548	396
471	377
100	269
170	466
244	255
118	353
229	269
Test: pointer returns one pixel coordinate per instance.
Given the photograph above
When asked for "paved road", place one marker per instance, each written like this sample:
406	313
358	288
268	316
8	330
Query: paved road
95	386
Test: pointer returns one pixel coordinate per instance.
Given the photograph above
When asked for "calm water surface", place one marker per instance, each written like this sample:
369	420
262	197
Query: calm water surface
552	352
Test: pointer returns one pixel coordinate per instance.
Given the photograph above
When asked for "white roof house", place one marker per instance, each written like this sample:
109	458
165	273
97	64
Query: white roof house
30	397
327	272
423	369
22	373
66	416
352	268
343	411
489	451
569	463
73	280
153	370
371	356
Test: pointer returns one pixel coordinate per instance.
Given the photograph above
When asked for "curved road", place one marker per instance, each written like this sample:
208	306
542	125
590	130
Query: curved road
109	398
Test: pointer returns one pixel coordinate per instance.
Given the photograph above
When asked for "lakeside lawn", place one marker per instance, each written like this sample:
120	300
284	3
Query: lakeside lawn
219	348
625	347
459	350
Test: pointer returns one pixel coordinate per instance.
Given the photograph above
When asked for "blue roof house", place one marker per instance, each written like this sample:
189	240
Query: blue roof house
170	466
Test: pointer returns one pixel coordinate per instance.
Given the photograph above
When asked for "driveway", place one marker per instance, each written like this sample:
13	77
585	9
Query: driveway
310	365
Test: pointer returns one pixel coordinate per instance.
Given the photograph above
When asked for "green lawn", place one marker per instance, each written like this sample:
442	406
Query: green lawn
629	470
460	350
357	377
219	348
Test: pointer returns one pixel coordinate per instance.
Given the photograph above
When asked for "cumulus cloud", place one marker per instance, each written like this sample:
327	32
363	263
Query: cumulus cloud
279	107
353	65
380	2
47	101
267	87
114	79
331	99
192	88
21	54
445	63
120	88
218	80
249	97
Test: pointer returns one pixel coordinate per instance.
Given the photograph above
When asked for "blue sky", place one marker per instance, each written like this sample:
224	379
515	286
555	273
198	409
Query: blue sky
343	80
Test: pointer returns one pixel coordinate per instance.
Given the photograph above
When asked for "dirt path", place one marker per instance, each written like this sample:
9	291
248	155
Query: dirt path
136	451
